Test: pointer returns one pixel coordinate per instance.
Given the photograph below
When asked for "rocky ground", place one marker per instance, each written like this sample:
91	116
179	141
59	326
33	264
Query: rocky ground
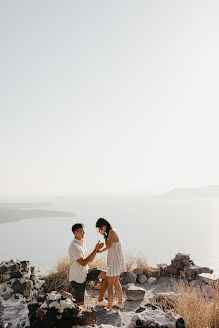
25	303
162	285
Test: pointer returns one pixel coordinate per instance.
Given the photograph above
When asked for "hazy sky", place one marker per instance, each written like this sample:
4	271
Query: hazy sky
113	95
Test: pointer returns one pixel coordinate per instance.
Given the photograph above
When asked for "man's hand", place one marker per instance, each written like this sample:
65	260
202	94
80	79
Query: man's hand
90	257
98	246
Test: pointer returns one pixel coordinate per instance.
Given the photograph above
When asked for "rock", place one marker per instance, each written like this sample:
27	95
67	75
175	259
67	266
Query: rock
138	271
180	256
58	310
182	266
209	278
140	309
88	316
141	278
148	305
41	297
26	266
192	271
39	313
67	295
129	277
125	287
49	319
151	306
15	274
134	293
180	323
22	286
33	308
97	285
170	270
69	318
152	318
14	316
3	269
152	280
34	270
112	318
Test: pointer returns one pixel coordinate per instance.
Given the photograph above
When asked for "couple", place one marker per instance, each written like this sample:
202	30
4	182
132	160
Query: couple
80	257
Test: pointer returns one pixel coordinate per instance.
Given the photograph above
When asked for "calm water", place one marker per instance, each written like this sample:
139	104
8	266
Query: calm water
154	227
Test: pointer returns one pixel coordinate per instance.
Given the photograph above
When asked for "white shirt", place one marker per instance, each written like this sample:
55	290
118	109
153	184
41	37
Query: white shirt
77	250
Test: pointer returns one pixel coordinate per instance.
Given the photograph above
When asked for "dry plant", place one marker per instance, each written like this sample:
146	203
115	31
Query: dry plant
129	262
58	278
142	263
98	263
198	305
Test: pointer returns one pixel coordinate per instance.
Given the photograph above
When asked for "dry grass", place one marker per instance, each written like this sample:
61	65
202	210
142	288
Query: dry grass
129	262
132	262
198	305
142	263
99	263
57	279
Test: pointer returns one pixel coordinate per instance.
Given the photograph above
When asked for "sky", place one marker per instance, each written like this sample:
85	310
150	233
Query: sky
108	96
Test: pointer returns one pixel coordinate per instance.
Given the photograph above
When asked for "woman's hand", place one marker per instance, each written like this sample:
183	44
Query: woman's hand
102	250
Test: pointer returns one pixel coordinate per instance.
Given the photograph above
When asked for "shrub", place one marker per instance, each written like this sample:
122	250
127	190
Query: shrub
198	305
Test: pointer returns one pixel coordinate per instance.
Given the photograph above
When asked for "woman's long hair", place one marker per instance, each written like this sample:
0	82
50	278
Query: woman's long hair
103	222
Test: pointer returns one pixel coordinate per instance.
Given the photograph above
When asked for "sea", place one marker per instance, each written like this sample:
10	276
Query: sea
150	226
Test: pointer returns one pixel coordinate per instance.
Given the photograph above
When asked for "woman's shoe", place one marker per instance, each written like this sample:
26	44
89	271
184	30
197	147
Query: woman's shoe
102	303
120	306
108	310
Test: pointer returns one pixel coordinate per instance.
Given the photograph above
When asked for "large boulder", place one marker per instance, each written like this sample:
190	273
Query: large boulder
141	279
183	266
59	310
88	316
18	285
134	293
129	277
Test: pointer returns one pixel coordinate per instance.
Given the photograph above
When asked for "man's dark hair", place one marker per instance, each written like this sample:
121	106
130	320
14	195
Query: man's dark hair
77	226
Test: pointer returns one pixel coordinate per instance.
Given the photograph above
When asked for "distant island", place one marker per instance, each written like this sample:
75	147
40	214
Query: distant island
11	211
23	204
185	193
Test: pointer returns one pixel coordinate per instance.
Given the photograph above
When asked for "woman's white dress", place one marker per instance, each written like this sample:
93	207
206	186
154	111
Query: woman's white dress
115	260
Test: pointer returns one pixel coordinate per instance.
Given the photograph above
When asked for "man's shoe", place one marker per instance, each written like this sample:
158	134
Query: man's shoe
102	303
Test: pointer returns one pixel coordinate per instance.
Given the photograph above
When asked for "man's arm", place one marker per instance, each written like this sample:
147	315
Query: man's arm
90	257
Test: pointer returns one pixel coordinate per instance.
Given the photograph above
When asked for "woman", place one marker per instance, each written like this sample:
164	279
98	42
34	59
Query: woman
115	260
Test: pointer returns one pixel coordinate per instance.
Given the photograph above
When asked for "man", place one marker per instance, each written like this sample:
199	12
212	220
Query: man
79	259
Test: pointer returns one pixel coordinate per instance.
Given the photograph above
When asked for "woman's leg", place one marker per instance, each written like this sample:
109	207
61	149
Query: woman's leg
111	281
103	287
118	289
